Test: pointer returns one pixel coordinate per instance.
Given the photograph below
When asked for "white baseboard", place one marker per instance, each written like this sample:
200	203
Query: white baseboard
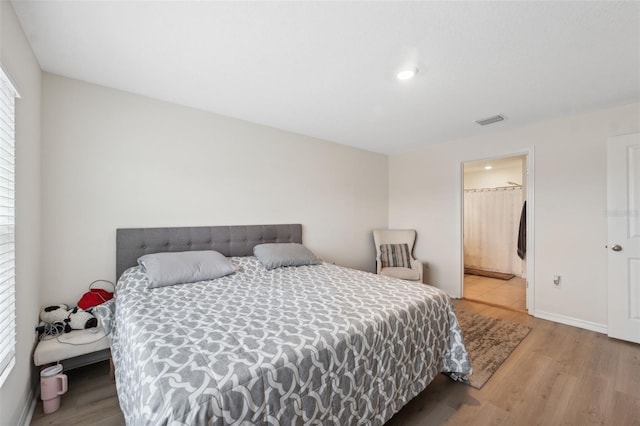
29	408
575	322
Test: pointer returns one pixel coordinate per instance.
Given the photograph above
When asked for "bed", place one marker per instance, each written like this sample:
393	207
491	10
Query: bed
316	344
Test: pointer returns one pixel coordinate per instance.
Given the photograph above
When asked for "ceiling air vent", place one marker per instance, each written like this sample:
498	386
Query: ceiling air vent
490	120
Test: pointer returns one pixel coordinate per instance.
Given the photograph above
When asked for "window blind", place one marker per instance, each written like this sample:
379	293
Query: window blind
7	227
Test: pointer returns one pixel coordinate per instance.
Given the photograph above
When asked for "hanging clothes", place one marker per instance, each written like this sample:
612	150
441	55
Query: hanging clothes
522	233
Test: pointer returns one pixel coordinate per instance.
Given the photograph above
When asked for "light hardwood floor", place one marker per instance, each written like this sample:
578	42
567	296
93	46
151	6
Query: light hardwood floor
90	400
559	375
508	293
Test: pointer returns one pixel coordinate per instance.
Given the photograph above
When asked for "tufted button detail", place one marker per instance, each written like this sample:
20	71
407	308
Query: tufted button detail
144	247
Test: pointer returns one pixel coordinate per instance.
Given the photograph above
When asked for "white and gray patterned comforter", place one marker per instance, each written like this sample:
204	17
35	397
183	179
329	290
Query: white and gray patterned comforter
305	345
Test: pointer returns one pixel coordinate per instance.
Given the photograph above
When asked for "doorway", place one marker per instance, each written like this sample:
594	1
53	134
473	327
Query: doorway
494	231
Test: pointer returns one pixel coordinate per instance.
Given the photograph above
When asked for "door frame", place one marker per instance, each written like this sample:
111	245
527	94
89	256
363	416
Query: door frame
530	270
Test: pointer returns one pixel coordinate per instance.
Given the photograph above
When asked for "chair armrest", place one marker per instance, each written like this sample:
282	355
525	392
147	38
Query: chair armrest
378	265
417	266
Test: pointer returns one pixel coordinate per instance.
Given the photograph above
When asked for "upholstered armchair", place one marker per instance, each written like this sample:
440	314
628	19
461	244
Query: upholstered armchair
394	254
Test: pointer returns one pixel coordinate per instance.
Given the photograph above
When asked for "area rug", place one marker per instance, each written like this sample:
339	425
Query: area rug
490	274
489	342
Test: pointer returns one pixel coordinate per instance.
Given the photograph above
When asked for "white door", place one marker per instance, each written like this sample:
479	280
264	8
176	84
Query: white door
623	212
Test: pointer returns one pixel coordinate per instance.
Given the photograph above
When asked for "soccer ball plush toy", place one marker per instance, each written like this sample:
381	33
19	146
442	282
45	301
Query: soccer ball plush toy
79	319
54	313
52	320
58	318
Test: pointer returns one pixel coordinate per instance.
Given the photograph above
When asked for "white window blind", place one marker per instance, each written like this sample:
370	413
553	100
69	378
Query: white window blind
7	227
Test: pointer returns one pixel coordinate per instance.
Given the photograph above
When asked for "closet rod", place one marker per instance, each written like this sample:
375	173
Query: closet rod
497	188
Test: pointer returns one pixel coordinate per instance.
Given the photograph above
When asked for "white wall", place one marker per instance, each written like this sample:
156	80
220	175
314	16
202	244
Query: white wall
492	178
18	61
570	202
114	160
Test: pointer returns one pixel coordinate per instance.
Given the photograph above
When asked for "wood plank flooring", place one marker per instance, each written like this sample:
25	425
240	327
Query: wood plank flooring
90	400
559	375
508	293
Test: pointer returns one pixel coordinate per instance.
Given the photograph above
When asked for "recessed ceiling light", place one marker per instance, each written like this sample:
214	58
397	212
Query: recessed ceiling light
488	167
407	74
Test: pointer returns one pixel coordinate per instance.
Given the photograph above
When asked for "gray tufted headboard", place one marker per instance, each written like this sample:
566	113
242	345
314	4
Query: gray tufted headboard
228	240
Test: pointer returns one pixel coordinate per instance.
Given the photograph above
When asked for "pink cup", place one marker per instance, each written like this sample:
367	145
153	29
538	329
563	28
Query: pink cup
52	385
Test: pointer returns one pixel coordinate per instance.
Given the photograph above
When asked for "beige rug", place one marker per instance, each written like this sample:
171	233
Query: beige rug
490	274
489	342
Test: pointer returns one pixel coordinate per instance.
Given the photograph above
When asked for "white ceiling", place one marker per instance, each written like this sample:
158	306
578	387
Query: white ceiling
327	69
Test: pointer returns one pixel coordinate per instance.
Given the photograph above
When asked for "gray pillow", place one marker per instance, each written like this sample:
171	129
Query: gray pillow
284	254
165	269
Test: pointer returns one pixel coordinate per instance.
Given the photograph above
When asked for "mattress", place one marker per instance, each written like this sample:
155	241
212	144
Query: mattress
69	345
315	344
